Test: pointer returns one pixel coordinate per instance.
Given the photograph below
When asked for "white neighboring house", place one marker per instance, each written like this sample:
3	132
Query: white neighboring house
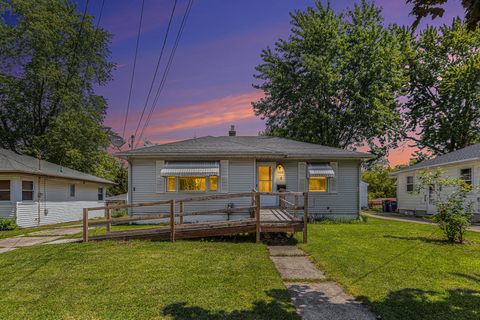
463	163
37	192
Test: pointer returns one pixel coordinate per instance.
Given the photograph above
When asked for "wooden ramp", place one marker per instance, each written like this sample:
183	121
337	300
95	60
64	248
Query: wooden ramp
271	220
263	219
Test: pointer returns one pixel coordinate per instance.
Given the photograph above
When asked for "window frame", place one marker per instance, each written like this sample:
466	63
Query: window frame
9	190
462	176
102	194
410	184
319	178
28	190
177	184
70	185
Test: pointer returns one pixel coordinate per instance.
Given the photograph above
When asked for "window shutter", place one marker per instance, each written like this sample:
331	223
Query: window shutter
302	176
224	175
333	183
159	180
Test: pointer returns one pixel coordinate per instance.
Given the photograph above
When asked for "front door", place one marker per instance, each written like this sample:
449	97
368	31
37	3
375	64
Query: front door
266	182
431	207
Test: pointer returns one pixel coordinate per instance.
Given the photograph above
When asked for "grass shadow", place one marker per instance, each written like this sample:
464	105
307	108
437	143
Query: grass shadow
423	239
278	308
417	304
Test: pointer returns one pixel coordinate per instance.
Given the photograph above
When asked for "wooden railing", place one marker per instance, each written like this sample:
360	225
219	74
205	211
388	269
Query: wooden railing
254	209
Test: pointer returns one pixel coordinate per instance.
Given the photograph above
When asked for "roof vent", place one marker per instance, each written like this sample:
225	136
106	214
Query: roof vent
232	132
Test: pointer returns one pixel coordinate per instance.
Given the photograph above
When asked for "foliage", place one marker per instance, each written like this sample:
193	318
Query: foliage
335	79
434	8
181	280
418	156
380	183
450	196
442	111
402	270
7	224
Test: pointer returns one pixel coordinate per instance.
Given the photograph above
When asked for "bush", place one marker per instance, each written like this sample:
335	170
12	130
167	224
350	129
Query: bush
119	214
7	224
454	209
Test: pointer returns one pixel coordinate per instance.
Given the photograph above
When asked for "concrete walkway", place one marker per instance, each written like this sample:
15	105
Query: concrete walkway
419	220
48	236
314	297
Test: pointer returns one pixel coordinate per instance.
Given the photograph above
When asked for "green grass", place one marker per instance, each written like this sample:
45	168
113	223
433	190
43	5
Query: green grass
402	270
142	280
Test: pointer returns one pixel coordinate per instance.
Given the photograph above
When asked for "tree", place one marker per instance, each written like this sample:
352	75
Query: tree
51	57
433	8
451	197
380	183
442	108
335	79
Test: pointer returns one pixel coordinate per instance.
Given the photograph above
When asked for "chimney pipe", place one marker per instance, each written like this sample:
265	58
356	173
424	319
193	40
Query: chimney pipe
232	132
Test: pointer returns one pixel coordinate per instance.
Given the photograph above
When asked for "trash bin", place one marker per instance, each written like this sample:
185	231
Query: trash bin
394	206
387	206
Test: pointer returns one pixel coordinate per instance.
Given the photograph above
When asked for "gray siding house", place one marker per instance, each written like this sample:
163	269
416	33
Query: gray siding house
36	192
234	164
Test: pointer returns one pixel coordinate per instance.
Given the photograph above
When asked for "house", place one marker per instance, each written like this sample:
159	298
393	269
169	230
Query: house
463	163
235	164
37	192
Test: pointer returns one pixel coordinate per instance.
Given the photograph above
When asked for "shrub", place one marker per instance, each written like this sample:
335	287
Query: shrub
7	224
119	214
450	196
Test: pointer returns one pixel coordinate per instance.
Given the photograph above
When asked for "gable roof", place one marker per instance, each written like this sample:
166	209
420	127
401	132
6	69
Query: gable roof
241	146
17	163
466	154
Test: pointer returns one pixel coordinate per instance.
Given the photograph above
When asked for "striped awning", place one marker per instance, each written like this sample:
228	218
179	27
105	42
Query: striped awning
185	169
321	170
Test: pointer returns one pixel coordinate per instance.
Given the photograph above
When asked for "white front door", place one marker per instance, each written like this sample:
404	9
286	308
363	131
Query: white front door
431	207
266	182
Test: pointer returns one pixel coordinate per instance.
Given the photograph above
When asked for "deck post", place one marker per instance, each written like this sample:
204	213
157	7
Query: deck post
257	216
182	211
281	197
172	220
85	224
252	211
295	205
305	216
109	218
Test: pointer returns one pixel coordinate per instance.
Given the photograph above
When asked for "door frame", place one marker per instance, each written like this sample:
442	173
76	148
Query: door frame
267	200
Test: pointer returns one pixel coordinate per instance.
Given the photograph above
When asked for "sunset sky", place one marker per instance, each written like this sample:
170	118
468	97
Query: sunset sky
209	85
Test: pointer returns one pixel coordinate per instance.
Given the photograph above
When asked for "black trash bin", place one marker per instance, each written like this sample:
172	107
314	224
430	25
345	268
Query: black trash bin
387	206
394	206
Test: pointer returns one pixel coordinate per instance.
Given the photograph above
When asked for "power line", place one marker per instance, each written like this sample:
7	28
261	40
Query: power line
133	71
156	68
100	16
167	67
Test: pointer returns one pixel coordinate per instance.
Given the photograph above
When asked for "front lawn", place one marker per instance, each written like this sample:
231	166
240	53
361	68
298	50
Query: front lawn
402	270
142	280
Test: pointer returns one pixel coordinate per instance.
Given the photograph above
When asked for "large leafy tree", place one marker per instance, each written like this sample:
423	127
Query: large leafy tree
52	56
442	107
380	183
434	9
335	79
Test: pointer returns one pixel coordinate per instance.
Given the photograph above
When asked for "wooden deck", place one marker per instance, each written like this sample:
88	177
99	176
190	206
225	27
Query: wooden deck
263	220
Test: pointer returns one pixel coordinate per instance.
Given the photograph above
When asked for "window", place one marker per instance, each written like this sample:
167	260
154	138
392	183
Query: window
213	180
27	190
410	184
317	184
72	189
100	194
466	175
4	190
171	184
192	183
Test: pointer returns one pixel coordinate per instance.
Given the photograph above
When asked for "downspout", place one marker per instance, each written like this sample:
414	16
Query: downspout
38	198
129	193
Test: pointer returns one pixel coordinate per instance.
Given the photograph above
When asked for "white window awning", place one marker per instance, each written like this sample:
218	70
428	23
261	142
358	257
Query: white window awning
321	170
188	169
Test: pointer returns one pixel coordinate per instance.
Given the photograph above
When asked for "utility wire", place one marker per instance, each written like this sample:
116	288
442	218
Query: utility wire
167	67
156	68
100	16
133	71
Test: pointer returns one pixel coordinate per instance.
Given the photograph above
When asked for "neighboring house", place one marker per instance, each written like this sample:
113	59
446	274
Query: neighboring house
463	163
37	192
234	164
